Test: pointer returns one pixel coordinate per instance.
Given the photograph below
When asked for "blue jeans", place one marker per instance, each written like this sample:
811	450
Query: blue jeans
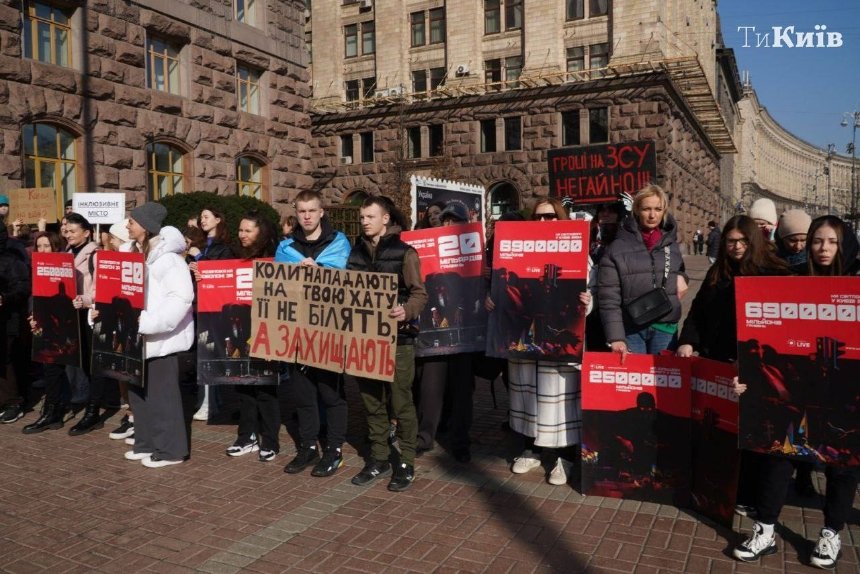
650	341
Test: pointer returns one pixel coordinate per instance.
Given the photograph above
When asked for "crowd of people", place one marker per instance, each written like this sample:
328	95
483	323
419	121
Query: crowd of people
637	279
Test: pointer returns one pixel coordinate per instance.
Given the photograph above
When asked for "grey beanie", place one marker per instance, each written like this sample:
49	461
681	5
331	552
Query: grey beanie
150	216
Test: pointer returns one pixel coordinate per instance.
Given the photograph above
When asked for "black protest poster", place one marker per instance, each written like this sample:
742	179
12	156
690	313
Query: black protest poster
57	335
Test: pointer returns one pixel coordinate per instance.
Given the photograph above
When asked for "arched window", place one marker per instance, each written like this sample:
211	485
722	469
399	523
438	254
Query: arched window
164	167
50	160
249	177
504	197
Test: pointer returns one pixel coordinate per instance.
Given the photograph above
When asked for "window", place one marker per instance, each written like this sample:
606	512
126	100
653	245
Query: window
164	165
488	135
598	125
417	24
437	140
248	89
575	9
513	14
413	143
50	160
249	177
492	71
367	147
513	69
368	38
246	11
48	34
513	133
350	38
575	59
352	90
598	8
162	62
419	81
368	87
346	149
570	128
437	26
437	77
598	55
492	17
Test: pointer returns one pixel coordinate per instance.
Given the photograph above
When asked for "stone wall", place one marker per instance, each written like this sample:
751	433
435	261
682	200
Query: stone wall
104	100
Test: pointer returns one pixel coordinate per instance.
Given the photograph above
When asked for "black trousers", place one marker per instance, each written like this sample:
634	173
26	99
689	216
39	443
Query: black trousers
57	390
436	377
776	478
159	423
309	387
259	414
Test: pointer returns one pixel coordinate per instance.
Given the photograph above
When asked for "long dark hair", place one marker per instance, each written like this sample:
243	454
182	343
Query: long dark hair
265	244
56	242
838	265
759	258
425	221
222	235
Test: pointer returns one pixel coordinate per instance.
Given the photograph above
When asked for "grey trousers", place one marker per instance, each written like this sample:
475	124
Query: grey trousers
159	425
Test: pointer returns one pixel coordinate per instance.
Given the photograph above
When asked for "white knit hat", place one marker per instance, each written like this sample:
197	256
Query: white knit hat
793	222
764	208
120	231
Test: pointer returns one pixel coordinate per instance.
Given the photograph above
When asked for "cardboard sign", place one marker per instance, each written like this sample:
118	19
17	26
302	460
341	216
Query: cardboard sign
224	298
636	427
332	319
539	270
100	207
452	261
118	348
716	458
598	173
57	336
31	204
799	355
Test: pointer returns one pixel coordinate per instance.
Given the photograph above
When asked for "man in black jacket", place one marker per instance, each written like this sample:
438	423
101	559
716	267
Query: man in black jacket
14	292
713	242
380	249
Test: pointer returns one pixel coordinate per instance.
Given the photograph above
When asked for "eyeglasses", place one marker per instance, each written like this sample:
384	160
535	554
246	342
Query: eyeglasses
740	242
546	216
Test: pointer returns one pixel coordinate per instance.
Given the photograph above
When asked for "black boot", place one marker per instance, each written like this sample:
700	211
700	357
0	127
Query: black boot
306	456
91	421
51	418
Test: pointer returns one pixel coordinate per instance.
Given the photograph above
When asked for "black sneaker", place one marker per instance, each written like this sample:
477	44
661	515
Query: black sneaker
11	414
306	456
124	430
404	474
371	471
331	461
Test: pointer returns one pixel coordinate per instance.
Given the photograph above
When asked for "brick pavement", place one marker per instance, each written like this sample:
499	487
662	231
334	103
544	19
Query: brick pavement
73	504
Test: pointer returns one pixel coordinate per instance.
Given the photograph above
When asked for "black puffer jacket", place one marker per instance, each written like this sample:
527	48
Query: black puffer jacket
627	270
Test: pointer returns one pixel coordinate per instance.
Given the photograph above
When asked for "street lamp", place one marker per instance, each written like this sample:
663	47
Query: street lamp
853	118
831	149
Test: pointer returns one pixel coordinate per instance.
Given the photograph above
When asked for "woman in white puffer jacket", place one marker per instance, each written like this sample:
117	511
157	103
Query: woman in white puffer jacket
167	323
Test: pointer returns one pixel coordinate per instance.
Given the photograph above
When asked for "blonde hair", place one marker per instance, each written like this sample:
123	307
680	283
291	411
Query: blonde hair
651	190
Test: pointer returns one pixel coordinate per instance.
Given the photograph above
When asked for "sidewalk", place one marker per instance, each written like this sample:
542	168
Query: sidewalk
73	504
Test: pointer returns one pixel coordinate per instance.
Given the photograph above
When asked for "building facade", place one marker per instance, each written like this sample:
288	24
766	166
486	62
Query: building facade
480	91
155	97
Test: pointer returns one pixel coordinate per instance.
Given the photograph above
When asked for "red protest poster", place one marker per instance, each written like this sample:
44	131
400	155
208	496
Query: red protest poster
539	270
799	355
224	298
118	349
636	427
716	458
56	338
452	259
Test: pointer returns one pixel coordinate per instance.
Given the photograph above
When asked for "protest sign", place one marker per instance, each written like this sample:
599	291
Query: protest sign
636	427
539	270
716	458
799	355
426	191
118	348
452	260
100	207
224	297
327	318
31	204
598	173
56	338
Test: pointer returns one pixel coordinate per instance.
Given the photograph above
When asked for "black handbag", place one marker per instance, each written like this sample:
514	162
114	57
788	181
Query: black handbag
654	304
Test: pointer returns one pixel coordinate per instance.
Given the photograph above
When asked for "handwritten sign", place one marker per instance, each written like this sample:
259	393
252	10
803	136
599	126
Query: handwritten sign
33	203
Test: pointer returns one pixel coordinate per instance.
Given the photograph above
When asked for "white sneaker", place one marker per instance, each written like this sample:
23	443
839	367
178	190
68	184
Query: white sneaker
130	441
131	455
154	462
202	413
827	551
238	449
757	545
525	462
560	472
